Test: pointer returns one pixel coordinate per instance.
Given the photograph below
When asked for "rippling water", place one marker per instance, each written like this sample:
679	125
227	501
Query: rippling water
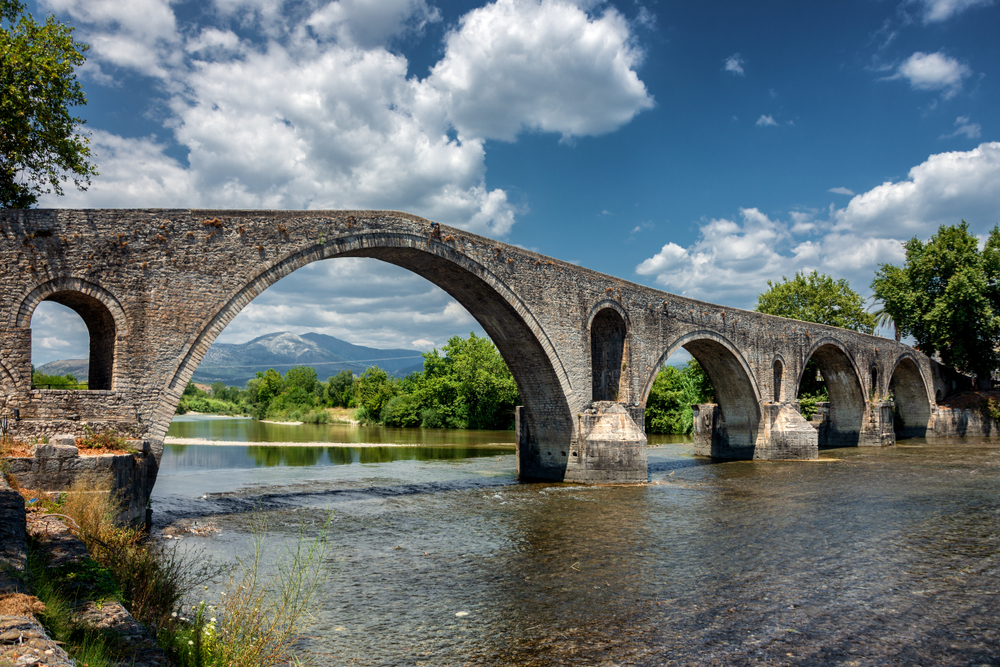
870	556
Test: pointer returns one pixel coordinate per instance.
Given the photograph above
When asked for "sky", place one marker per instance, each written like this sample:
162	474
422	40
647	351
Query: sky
700	148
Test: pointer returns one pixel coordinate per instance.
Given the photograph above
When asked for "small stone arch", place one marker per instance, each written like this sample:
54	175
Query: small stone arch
736	391
100	311
846	417
777	378
608	337
912	400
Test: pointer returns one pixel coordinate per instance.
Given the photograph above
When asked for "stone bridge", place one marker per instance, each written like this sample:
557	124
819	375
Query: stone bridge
156	287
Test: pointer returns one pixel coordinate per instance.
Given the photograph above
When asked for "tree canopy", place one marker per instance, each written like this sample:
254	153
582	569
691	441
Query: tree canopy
40	147
947	297
817	297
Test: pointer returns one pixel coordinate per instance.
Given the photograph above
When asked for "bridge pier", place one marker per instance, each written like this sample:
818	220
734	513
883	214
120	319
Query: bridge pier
784	434
609	448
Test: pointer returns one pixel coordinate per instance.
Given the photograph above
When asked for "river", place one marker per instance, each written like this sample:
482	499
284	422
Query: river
440	557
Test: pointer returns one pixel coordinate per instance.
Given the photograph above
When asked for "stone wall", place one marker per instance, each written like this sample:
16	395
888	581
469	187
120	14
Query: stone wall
55	467
955	423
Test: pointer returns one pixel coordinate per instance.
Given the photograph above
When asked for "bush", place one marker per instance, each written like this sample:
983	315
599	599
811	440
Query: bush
431	418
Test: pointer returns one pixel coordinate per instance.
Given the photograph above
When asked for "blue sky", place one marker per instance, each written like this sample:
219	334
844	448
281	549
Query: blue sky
702	148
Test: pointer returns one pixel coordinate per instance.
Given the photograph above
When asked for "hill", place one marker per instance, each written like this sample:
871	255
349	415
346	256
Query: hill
78	368
235	363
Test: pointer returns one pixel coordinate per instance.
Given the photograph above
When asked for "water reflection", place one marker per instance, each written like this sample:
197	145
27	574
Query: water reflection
202	457
252	430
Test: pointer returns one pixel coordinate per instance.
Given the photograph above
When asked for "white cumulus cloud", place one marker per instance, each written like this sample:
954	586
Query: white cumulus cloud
766	121
518	65
933	71
935	11
311	111
732	260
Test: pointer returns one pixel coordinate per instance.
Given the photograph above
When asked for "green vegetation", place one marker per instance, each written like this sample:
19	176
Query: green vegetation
468	386
257	622
817	297
464	385
821	299
947	296
675	390
43	381
39	144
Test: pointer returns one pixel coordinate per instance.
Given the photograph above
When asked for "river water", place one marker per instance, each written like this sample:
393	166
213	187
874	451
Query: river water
440	557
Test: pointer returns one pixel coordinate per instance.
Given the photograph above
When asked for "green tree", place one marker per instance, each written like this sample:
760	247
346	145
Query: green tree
301	376
40	147
817	297
339	389
675	390
372	390
947	297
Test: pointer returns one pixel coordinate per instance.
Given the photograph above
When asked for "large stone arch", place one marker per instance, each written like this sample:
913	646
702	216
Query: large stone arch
540	375
736	390
846	417
100	311
911	396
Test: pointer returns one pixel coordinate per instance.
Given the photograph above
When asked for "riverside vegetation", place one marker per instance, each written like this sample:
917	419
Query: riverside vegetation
258	620
465	385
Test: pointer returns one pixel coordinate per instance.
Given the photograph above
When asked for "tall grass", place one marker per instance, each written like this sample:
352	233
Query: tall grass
153	580
261	616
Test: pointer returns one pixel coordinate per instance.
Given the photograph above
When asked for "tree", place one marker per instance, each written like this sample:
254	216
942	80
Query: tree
40	147
674	391
817	298
372	390
947	296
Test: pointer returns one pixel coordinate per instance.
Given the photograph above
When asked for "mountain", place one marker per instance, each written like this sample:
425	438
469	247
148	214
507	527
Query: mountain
78	368
234	364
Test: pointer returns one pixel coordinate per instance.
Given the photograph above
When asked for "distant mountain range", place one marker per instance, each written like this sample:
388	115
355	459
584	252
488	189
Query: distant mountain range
234	364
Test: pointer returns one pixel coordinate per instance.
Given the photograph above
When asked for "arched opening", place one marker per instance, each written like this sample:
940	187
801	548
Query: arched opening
779	370
607	350
544	423
840	424
65	321
873	391
727	427
912	407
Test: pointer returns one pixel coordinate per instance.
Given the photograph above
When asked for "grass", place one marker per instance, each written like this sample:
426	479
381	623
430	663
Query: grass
260	618
258	621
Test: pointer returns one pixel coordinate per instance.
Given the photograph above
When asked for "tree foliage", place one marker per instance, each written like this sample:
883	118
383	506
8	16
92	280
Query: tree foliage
947	297
40	147
817	297
675	390
464	385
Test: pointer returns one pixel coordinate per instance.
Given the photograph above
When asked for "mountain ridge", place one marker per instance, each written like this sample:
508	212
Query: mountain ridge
235	363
